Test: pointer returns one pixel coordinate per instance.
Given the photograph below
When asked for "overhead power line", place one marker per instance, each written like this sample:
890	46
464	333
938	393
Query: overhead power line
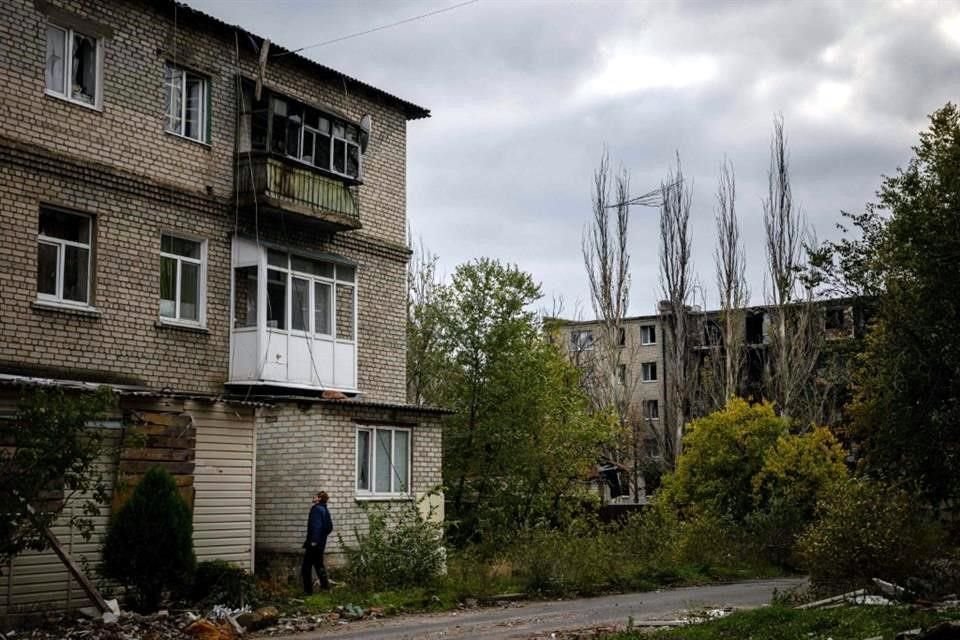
380	28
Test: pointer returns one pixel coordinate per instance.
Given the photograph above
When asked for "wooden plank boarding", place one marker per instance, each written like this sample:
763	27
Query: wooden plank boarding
166	439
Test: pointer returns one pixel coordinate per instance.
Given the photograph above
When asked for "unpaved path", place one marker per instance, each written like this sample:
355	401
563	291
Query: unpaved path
539	619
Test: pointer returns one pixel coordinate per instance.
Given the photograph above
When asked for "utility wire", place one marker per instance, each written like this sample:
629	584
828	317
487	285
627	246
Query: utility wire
380	28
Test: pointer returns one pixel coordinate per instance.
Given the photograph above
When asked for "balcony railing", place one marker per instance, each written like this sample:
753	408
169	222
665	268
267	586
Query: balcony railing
273	182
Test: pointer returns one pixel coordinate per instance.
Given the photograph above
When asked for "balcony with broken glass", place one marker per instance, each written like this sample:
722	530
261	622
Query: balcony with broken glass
299	159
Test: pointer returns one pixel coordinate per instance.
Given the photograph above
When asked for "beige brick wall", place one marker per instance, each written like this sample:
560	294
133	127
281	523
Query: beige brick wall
129	133
119	165
633	355
305	448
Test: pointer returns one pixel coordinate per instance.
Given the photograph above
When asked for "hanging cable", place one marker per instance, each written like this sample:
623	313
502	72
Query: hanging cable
380	28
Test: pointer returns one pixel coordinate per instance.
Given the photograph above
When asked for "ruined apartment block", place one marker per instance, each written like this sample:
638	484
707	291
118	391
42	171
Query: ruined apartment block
215	227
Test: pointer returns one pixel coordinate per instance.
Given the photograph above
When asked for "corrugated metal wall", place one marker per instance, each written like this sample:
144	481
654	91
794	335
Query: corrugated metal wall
223	511
224	480
39	581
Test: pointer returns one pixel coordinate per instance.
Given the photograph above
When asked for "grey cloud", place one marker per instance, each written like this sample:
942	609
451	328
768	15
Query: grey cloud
503	168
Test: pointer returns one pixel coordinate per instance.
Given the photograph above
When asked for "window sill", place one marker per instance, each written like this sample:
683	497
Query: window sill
201	143
79	103
648	381
648	344
383	497
82	310
180	326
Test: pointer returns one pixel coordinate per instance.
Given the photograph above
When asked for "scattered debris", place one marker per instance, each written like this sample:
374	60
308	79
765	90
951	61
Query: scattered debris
892	594
204	629
890	589
834	601
260	619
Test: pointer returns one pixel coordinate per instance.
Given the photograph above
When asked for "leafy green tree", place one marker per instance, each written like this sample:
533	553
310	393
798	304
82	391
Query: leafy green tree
522	434
742	467
907	408
149	545
722	454
796	472
48	459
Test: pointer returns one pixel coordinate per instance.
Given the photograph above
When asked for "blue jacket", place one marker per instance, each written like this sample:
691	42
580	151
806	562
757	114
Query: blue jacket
319	524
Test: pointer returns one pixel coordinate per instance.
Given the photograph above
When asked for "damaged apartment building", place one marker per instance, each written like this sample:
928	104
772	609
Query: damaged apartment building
644	363
214	227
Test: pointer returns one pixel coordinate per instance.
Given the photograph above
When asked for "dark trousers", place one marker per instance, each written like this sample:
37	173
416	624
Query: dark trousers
313	561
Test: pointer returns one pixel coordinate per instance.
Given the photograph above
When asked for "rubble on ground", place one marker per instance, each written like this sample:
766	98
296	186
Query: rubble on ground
220	623
891	594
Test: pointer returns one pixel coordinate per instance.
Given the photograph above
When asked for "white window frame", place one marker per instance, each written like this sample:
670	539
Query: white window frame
61	244
645	334
201	320
66	93
370	493
204	92
645	369
313	279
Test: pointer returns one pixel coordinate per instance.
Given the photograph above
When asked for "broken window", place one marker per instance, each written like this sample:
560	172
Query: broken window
836	319
712	333
581	340
303	133
622	373
648	371
648	334
276	299
63	257
755	328
181	279
621	336
186	100
72	66
345	316
651	409
383	460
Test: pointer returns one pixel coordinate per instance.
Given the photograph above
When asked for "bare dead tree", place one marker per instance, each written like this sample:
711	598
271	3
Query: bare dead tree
422	326
677	287
606	258
794	343
730	262
611	364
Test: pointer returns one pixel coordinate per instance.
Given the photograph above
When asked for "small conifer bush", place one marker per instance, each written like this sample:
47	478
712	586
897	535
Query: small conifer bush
149	544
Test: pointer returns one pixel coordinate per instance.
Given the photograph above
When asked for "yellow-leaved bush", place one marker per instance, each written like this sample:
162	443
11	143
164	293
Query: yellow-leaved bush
744	466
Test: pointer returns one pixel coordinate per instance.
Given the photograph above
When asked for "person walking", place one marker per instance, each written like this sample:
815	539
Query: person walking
319	526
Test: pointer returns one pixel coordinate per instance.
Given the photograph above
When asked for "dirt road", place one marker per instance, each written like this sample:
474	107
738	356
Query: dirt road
539	619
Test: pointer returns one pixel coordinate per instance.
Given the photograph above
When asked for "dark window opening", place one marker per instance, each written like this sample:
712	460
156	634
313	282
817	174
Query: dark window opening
836	319
754	327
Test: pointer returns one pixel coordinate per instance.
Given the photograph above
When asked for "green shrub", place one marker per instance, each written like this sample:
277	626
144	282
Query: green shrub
220	582
722	453
796	471
713	545
866	529
149	543
581	559
401	548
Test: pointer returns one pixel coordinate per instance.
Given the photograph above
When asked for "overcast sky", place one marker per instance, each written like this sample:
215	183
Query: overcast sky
525	94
